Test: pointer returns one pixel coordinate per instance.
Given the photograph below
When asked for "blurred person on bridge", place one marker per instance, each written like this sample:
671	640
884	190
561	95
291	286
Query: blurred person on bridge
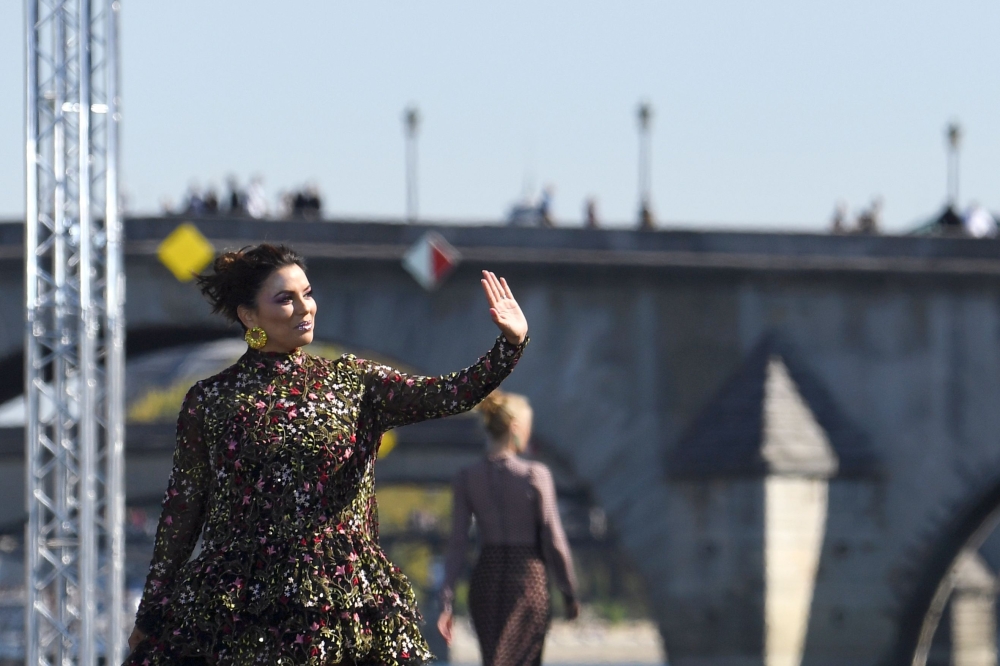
646	220
256	198
194	200
211	201
838	222
513	501
235	196
545	207
307	203
528	213
870	219
274	472
978	222
590	220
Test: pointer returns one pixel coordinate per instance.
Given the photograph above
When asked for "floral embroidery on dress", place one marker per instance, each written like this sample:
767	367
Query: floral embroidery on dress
274	471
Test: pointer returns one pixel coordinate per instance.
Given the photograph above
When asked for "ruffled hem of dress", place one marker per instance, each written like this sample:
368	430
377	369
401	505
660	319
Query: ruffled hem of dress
225	606
312	638
392	642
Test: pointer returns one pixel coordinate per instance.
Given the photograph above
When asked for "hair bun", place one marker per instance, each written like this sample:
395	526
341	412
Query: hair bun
496	416
500	409
225	260
492	404
237	276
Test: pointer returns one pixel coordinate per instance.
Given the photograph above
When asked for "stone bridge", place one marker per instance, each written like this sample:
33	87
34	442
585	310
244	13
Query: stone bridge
796	436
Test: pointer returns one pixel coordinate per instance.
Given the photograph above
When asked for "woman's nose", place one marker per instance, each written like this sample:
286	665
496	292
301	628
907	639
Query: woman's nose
303	306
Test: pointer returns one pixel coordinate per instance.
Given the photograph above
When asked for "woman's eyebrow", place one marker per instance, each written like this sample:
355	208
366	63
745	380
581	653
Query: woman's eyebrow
289	292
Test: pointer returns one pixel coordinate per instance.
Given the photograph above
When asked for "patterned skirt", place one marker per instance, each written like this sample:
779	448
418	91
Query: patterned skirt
142	655
509	604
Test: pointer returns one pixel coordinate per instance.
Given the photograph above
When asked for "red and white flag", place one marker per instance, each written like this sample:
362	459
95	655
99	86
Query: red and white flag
431	260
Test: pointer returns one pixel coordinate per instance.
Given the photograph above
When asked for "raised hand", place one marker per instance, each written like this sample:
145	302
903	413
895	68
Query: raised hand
504	309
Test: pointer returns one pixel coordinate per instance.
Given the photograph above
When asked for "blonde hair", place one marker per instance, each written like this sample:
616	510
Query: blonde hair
500	409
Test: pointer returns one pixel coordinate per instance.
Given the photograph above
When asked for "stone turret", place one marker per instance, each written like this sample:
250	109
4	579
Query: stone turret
973	613
749	483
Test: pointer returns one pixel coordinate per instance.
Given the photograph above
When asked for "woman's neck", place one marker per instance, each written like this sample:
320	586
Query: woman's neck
501	447
279	350
273	353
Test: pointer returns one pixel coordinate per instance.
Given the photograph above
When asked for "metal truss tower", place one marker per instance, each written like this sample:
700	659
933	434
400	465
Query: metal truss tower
75	332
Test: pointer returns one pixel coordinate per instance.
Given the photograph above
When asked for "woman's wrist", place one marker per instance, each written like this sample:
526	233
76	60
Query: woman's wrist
514	340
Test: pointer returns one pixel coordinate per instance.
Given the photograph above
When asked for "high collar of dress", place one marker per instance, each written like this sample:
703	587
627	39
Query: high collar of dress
280	362
501	455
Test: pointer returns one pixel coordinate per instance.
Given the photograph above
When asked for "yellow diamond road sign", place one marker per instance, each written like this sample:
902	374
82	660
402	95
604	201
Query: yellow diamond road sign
185	252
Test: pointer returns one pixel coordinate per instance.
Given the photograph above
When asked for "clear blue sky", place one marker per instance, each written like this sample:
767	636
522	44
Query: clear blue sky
766	112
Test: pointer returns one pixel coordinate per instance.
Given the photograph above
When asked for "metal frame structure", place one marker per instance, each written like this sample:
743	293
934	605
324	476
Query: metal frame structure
74	351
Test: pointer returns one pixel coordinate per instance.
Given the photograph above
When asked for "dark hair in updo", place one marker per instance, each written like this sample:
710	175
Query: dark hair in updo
236	277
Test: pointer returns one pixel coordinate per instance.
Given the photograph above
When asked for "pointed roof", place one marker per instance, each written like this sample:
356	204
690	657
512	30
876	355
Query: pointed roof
972	574
773	416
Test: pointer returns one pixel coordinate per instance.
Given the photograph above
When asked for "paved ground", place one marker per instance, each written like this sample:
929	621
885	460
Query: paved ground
587	641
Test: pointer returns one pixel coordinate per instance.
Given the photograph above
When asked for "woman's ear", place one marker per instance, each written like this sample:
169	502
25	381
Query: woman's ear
246	316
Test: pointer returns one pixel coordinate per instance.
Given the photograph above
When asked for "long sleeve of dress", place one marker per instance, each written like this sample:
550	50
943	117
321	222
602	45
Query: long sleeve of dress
183	512
555	546
399	399
458	542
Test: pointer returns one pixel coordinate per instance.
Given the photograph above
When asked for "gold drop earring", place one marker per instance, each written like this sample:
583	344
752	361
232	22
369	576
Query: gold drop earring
256	337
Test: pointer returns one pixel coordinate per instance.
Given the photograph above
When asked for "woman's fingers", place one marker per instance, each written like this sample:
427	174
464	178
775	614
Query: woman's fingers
491	296
506	288
498	287
488	282
488	292
495	286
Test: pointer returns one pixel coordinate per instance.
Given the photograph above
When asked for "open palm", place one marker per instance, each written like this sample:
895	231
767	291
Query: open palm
504	309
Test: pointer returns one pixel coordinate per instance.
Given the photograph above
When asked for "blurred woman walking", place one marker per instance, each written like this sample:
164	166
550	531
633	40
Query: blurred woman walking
514	504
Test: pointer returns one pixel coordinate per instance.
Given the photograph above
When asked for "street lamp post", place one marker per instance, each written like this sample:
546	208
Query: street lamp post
954	137
411	125
644	114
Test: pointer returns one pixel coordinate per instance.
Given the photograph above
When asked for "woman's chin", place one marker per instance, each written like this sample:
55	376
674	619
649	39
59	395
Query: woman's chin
294	341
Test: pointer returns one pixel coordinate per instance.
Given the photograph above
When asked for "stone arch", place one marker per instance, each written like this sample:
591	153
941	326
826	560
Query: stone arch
973	520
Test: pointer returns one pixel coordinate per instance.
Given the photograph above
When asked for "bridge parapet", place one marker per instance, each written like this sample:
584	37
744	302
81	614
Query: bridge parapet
731	250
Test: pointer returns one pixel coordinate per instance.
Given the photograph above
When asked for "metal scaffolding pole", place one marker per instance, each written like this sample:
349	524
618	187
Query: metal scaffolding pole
74	351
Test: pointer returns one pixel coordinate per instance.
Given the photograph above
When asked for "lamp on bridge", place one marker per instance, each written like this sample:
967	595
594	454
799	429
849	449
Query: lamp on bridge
644	115
411	124
954	137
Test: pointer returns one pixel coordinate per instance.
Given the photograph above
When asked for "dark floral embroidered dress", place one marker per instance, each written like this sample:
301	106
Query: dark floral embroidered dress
275	460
